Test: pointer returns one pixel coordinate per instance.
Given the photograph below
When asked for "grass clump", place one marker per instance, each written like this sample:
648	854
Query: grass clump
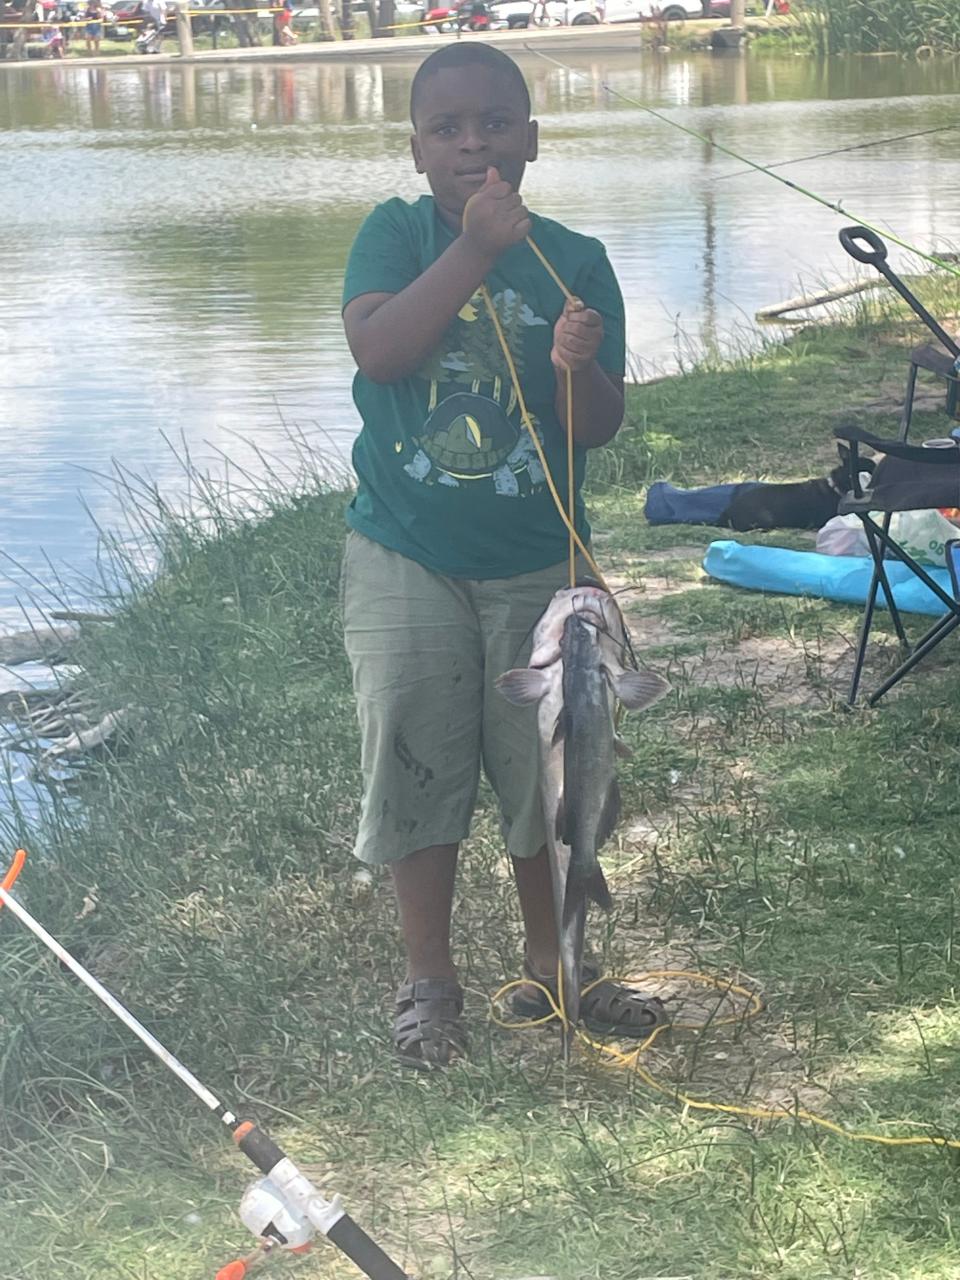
769	836
883	26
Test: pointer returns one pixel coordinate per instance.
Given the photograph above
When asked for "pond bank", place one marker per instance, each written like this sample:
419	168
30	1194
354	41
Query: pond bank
769	836
624	38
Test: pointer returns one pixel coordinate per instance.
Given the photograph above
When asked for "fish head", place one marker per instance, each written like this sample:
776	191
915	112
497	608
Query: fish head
585	599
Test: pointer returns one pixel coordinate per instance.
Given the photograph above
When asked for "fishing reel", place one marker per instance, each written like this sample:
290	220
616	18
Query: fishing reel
266	1213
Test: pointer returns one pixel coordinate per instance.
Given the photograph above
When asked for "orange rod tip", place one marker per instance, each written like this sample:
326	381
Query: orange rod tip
16	866
233	1271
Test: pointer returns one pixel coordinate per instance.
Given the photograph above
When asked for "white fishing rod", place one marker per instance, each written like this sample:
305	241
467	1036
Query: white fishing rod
284	1208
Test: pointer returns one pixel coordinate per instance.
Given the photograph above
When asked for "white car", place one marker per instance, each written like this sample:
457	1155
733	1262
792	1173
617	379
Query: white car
638	11
577	13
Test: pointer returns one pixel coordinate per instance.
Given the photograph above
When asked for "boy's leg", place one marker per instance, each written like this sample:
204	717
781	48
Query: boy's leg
535	891
423	883
414	645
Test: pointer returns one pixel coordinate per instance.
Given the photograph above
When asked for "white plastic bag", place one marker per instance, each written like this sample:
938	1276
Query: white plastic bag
843	536
922	534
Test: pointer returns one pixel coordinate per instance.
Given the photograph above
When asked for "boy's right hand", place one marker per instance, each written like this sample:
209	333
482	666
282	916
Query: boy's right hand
495	217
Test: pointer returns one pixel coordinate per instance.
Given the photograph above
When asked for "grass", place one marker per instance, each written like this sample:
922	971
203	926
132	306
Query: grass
770	836
883	26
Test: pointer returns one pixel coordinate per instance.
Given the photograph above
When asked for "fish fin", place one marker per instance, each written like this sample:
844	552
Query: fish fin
638	689
621	748
559	829
523	685
610	815
560	731
597	891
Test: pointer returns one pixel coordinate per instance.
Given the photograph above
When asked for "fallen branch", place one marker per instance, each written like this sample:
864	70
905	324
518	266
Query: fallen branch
39	644
818	299
86	739
80	615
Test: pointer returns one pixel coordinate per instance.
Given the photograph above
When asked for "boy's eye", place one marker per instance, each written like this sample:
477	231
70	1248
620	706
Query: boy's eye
498	124
445	130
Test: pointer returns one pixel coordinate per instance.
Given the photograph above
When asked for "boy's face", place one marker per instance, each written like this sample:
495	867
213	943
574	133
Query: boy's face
467	119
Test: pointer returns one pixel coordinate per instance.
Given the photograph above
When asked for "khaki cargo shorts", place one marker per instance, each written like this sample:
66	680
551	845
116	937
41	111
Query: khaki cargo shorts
425	651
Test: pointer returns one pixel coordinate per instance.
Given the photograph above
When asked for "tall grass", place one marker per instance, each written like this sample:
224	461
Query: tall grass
883	26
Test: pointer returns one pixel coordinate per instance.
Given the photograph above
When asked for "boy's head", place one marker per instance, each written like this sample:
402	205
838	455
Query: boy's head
470	109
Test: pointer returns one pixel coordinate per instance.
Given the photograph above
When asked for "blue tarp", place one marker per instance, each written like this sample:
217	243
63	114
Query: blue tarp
807	573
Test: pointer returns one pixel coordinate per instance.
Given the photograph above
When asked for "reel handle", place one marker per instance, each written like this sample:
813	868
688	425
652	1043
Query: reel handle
872	257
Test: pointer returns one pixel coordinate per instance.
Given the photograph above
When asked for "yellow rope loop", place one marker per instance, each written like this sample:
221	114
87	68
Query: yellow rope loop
630	1060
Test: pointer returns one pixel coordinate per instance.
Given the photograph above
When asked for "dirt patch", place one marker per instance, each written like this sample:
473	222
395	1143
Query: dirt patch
723	1045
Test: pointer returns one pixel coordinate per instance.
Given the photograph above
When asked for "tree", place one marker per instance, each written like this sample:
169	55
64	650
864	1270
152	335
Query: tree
325	9
347	27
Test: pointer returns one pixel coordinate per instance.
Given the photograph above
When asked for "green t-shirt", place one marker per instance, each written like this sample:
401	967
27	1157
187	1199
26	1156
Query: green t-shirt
447	473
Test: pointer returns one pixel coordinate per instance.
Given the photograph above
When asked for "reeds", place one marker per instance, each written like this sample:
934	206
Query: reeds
913	27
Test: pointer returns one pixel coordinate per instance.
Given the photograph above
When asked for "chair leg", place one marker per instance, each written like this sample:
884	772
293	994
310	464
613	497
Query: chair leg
878	581
938	632
878	537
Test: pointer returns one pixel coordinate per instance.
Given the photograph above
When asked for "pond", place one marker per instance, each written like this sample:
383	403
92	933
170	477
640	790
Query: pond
175	237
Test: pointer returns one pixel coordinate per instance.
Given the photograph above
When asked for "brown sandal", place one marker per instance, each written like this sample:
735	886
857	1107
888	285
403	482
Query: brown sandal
427	1031
605	1009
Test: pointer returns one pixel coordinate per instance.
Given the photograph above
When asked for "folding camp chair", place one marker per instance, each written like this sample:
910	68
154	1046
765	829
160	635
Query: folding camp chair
907	478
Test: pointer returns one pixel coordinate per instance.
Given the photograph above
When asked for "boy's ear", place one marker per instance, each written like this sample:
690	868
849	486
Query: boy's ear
415	151
533	141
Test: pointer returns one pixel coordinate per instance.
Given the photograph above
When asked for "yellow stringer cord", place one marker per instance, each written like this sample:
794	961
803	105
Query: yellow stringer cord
631	1059
617	1057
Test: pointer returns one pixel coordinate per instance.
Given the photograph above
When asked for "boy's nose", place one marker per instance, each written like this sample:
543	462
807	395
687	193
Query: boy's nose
472	139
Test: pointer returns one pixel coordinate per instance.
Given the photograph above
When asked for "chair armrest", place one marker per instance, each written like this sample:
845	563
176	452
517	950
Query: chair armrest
897	448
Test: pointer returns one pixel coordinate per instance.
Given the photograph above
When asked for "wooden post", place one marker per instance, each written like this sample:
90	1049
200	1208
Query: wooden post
731	37
184	31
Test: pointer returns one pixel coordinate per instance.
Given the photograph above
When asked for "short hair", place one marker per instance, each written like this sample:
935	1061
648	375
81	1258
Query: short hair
468	55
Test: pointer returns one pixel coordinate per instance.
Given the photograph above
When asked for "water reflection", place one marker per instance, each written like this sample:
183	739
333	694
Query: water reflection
175	238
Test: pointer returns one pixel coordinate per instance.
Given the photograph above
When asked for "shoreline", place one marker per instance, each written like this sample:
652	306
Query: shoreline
624	38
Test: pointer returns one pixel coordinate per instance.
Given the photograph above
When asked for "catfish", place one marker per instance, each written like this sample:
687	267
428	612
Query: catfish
576	694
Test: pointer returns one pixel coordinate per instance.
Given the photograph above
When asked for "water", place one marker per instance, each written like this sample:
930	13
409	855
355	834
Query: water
174	240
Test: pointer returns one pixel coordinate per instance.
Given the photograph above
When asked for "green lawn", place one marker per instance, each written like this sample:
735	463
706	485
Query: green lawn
771	837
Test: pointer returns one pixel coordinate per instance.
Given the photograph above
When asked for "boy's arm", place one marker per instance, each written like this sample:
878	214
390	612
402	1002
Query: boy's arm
391	334
597	394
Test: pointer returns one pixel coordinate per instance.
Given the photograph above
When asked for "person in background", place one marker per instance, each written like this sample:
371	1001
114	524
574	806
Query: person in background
283	32
155	12
52	38
93	30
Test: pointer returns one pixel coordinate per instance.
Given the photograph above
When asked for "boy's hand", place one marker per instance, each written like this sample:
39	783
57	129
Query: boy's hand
576	337
494	217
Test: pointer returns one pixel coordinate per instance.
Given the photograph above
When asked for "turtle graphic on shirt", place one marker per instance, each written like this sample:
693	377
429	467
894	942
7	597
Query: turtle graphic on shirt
473	433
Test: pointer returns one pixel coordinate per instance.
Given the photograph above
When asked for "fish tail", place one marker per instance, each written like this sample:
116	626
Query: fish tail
597	891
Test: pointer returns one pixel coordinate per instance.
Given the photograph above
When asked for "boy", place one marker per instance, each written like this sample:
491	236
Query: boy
455	547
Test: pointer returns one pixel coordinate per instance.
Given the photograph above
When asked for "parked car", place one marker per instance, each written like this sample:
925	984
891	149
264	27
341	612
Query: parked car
595	11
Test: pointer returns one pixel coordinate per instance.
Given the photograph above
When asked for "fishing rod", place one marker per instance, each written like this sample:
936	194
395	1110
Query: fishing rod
839	151
283	1207
835	207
